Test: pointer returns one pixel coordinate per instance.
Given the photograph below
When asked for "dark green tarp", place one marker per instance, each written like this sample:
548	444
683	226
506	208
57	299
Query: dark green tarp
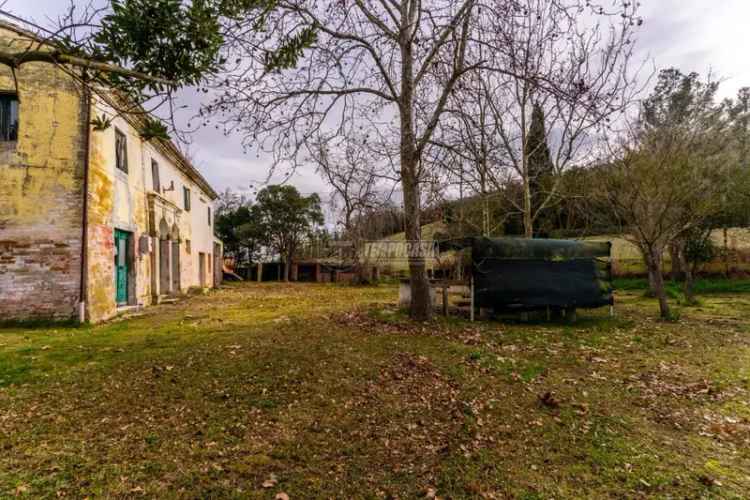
528	274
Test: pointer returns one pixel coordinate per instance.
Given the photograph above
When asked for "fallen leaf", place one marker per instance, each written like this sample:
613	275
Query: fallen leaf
548	399
708	480
271	481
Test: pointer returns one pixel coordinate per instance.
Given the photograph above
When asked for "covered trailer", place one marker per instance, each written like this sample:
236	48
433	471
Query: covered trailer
513	274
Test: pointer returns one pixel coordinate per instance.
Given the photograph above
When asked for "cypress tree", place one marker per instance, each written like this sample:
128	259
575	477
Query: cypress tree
540	167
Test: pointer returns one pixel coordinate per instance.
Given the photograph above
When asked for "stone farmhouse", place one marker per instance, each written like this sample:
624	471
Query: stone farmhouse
92	221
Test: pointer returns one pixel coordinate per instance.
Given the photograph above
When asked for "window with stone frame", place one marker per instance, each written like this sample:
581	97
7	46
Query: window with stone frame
186	196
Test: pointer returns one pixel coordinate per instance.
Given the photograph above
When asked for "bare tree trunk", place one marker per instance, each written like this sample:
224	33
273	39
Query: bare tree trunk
677	272
651	292
528	222
287	267
420	307
653	257
687	284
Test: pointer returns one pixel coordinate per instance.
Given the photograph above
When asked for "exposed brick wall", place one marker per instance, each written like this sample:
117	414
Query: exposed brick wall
41	186
39	278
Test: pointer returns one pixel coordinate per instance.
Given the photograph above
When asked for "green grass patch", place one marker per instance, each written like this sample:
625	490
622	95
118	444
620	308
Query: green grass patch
701	286
327	391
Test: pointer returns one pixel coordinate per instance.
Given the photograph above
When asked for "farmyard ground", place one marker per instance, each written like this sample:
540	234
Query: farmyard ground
322	391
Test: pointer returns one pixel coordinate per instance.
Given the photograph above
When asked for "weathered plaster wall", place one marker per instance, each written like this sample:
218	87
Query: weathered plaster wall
172	182
203	236
117	200
193	225
121	201
41	179
41	203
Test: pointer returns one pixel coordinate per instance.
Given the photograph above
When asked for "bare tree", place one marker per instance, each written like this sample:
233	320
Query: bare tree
371	64
669	174
466	146
347	167
566	77
359	188
375	64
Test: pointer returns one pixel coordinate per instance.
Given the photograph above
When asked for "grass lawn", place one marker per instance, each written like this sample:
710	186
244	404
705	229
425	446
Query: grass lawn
324	391
701	286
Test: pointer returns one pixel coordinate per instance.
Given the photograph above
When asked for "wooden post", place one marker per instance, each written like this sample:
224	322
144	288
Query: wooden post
445	301
294	272
726	252
260	272
471	313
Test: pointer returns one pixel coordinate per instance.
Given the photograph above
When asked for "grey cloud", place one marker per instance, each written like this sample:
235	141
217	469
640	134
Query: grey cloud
693	35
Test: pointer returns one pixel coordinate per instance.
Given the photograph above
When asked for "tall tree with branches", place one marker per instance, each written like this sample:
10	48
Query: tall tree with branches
359	188
372	64
541	170
286	219
137	54
388	66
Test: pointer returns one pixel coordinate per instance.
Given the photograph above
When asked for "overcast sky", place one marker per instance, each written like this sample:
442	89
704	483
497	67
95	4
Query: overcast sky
692	35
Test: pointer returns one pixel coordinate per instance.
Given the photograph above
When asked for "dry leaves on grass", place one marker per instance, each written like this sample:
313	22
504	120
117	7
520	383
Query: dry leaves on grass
654	387
725	428
411	413
369	322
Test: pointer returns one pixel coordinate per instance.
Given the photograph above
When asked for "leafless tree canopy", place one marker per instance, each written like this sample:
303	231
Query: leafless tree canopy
576	68
388	69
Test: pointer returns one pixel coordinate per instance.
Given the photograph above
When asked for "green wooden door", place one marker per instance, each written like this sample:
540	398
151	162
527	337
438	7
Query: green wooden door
121	266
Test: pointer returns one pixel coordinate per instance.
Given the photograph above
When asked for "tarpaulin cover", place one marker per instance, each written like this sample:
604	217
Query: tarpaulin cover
527	274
